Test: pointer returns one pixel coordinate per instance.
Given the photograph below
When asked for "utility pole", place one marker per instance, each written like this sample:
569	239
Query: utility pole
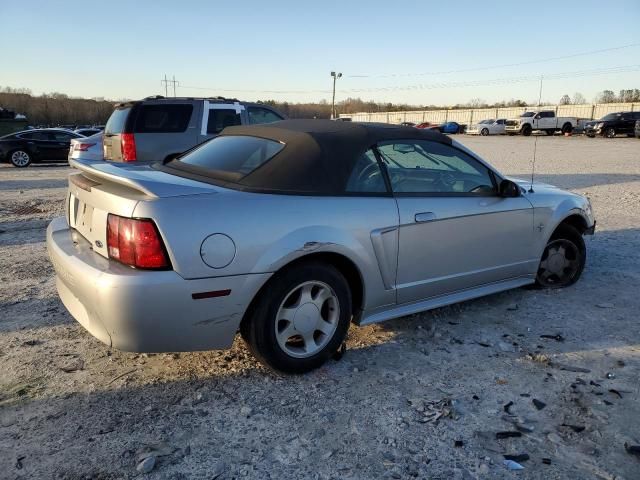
333	99
166	85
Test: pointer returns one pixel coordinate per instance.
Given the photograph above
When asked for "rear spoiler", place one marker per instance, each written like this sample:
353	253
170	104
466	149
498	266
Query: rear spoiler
143	178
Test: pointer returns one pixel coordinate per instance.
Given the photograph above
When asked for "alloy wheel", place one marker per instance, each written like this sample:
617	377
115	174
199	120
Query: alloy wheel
20	158
560	263
307	319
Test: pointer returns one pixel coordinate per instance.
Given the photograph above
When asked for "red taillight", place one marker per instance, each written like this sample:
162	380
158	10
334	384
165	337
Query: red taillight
128	144
83	147
135	242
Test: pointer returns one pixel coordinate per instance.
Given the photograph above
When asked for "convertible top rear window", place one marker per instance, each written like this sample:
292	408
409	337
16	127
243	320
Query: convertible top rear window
231	157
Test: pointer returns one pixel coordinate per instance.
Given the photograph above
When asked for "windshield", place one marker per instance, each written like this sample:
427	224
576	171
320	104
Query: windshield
611	116
528	114
231	157
487	121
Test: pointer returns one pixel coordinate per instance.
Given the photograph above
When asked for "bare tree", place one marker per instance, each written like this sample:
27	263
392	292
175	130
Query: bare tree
578	99
565	100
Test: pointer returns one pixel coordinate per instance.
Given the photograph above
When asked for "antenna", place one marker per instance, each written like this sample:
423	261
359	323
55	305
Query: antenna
535	142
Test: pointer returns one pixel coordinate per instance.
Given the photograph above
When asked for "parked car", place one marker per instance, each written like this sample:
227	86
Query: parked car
159	128
37	145
637	129
88	131
620	123
87	148
427	125
451	127
544	120
291	231
488	127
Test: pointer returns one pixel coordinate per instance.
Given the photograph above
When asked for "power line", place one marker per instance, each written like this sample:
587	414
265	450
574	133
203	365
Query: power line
504	65
439	85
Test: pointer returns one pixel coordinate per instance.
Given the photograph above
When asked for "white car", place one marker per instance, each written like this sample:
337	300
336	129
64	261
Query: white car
488	127
87	148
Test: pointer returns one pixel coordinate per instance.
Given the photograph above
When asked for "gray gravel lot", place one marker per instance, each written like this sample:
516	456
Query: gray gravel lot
392	407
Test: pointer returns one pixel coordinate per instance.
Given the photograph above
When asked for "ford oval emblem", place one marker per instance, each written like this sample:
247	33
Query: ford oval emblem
98	244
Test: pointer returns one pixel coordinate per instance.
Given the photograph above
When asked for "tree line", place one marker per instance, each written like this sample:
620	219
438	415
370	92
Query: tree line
61	109
53	109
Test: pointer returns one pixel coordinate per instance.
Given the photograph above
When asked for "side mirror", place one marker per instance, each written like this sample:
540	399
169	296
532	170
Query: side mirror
509	189
537	117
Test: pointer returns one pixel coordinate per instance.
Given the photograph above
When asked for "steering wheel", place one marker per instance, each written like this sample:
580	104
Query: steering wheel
368	173
446	180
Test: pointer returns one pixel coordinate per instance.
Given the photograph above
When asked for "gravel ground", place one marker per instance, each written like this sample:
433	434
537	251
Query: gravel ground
417	397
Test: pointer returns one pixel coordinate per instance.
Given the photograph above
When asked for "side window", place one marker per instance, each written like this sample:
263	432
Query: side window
421	166
61	136
262	115
167	118
220	118
366	176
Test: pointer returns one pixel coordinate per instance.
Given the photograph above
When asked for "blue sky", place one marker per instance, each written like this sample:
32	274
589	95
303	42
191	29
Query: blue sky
121	49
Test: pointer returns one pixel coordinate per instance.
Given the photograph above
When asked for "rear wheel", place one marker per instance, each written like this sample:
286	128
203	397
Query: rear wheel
567	128
563	259
610	132
20	158
484	132
301	318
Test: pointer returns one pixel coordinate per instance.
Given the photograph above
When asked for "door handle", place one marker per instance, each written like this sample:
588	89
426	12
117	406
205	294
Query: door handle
425	217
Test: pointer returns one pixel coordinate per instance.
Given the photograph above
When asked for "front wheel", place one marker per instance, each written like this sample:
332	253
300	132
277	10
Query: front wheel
484	132
526	130
610	132
563	259
20	159
300	319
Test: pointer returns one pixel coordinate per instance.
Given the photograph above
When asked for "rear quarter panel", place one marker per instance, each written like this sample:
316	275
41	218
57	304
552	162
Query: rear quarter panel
270	231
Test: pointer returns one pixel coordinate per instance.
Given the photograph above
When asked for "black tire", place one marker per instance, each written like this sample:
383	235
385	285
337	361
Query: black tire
567	128
20	158
565	235
484	132
526	130
591	135
609	132
259	328
550	132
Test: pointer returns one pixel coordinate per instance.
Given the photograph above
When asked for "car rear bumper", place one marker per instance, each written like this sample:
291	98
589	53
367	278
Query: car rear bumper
142	310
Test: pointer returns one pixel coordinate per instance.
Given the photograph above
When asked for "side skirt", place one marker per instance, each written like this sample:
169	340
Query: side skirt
442	300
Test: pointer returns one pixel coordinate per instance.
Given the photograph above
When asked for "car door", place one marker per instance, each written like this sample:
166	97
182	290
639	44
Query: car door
60	144
455	231
627	123
44	144
498	126
217	116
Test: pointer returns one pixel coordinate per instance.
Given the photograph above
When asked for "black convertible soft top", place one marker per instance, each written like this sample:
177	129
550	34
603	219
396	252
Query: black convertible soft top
319	155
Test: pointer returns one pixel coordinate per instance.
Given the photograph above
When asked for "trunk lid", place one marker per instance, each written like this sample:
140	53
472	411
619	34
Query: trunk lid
102	188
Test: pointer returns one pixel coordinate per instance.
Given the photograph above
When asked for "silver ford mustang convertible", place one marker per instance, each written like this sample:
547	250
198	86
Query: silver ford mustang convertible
289	232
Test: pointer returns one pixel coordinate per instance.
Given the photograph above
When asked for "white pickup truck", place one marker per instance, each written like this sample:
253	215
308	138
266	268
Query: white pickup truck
544	120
